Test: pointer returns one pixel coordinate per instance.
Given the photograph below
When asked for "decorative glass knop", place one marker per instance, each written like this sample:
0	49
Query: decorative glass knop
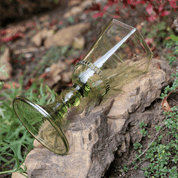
118	55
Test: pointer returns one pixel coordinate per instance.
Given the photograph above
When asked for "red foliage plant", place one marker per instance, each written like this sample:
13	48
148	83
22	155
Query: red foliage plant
154	8
13	37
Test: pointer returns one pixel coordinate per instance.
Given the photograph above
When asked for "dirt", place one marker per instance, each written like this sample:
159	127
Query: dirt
26	63
152	116
19	10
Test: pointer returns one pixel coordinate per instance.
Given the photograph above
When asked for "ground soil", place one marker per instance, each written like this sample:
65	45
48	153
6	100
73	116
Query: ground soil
152	116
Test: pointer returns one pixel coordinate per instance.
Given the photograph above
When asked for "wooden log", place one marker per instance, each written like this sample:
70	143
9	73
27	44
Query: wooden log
99	135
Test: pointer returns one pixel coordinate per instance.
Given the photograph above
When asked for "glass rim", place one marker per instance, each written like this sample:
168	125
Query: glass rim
111	22
47	115
117	22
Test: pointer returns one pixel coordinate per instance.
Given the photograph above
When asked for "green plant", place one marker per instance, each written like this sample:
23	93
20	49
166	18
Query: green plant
164	157
52	56
70	20
142	124
161	154
137	146
144	132
157	32
3	71
15	140
172	58
125	168
2	48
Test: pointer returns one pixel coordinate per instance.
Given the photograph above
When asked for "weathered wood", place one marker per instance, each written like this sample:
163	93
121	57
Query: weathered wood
98	136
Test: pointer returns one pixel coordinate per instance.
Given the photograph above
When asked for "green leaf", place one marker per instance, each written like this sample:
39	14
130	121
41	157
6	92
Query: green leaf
70	19
174	38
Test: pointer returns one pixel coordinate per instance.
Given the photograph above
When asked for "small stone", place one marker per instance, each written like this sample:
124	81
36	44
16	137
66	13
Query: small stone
78	43
74	2
127	139
74	11
66	76
119	153
65	36
37	39
46	24
57	68
138	174
54	73
86	4
123	147
28	55
144	164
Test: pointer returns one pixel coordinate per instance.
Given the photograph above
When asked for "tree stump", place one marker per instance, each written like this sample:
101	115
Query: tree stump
100	134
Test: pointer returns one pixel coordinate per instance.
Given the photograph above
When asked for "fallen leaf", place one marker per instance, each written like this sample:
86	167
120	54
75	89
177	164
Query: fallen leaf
99	14
30	81
117	38
12	33
13	37
168	38
139	27
165	105
158	66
